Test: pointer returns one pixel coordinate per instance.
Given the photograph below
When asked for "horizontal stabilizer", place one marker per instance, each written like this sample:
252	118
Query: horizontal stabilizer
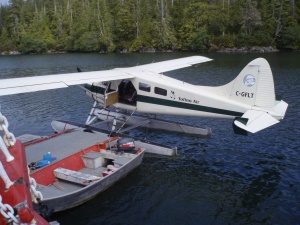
257	120
280	109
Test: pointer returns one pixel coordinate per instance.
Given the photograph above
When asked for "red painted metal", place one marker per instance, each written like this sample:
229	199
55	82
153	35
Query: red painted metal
19	192
45	175
26	214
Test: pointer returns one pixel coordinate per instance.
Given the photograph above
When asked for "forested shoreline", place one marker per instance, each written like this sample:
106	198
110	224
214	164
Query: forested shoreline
40	26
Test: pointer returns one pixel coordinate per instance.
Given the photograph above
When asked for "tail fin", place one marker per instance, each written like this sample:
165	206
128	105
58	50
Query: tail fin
254	85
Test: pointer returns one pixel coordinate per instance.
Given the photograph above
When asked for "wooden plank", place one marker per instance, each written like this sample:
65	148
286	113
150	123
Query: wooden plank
74	176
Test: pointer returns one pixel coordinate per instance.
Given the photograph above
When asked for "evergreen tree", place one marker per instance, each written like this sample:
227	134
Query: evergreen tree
251	17
34	26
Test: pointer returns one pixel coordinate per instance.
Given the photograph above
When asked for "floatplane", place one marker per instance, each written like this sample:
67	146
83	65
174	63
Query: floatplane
86	163
249	99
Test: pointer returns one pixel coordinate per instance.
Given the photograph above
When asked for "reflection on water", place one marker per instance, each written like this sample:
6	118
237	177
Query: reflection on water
227	179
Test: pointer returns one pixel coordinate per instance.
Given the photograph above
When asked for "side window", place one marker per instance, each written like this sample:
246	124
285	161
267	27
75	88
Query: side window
144	87
105	83
160	91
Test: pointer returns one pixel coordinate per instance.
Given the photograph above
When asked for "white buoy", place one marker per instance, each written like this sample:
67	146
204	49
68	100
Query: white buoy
5	151
5	177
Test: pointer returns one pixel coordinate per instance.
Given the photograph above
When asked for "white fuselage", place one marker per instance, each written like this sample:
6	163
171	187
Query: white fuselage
166	95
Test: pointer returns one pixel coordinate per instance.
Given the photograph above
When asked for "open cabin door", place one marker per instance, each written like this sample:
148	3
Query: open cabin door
111	98
127	93
111	95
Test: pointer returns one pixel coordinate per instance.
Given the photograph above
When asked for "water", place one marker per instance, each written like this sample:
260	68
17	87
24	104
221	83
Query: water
227	179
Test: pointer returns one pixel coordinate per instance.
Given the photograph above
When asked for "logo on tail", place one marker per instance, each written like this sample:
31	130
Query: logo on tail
249	80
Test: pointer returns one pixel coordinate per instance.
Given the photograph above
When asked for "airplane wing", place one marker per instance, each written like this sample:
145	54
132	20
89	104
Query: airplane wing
39	83
169	65
47	82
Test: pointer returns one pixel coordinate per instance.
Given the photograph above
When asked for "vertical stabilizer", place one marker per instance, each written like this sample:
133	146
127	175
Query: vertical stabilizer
254	85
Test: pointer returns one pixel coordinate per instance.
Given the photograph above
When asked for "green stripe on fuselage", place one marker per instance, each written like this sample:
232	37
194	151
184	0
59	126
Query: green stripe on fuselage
165	102
95	89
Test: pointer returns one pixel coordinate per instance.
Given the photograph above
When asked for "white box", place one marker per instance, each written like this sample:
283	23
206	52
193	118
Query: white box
93	160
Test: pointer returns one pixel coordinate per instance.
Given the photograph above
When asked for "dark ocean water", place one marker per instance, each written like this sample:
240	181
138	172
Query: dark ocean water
226	179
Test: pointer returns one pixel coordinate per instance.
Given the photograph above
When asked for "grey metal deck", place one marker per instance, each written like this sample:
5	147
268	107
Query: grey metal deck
62	187
58	188
151	147
63	145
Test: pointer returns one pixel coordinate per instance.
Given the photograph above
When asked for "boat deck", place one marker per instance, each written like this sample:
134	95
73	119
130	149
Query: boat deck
151	147
62	187
63	145
66	182
60	147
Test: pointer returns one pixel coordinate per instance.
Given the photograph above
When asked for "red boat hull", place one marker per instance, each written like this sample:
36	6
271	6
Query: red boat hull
18	195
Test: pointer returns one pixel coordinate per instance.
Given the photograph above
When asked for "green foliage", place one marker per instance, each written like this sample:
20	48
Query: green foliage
136	45
262	38
200	40
226	41
88	42
251	16
5	42
124	30
244	40
290	38
32	45
37	26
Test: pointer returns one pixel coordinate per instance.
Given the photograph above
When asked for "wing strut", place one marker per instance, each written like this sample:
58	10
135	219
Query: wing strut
126	121
91	118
